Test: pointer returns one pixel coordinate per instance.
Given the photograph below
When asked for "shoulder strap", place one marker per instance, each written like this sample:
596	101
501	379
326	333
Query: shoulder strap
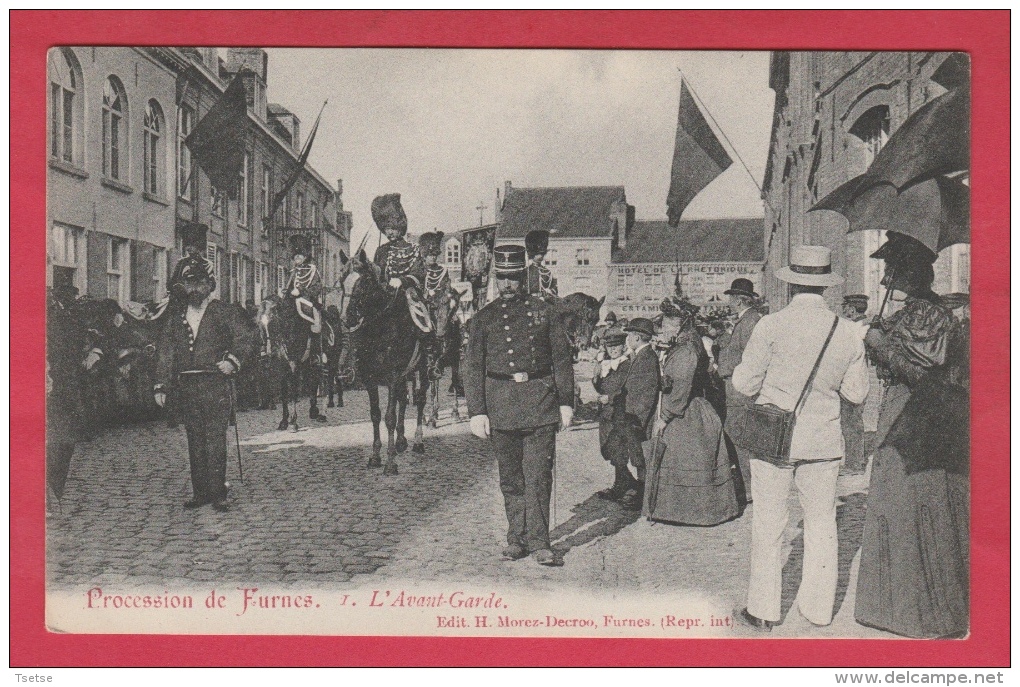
818	362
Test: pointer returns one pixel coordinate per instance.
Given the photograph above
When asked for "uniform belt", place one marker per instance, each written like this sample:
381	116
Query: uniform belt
520	376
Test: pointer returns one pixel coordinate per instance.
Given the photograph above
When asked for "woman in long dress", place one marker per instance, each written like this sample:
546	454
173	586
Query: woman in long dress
913	578
690	481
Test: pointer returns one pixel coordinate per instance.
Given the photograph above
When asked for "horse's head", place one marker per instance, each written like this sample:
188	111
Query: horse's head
580	317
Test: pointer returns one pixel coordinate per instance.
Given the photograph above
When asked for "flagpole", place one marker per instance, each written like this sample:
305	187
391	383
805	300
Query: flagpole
683	78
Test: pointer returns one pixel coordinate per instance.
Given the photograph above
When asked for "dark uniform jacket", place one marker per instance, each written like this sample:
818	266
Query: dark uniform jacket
223	334
540	282
401	260
520	336
732	351
643	390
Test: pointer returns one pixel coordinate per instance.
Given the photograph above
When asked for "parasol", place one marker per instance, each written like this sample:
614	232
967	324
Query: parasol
936	211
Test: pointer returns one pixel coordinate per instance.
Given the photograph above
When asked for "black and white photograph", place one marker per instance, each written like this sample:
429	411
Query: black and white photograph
507	342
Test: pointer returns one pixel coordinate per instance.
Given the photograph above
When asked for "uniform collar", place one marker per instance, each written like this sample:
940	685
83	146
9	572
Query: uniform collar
807	300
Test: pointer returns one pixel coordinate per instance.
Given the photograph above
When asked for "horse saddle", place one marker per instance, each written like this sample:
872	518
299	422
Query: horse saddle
308	312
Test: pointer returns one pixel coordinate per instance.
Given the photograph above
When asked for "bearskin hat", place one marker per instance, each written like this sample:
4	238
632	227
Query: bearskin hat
537	242
431	243
387	212
299	243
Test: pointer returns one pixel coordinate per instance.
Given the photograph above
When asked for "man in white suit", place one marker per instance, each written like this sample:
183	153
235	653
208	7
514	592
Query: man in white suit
776	365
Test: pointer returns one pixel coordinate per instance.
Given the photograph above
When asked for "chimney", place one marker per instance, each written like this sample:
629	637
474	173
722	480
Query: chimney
340	195
498	217
618	216
255	60
507	187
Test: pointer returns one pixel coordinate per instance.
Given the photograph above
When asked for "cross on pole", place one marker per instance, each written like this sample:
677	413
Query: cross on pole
482	207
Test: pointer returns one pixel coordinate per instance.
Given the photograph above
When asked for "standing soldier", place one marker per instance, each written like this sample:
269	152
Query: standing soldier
202	346
520	386
540	281
742	299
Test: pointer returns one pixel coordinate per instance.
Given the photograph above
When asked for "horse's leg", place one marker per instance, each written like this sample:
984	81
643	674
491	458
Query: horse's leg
376	414
419	406
295	394
330	387
433	401
391	426
284	371
401	408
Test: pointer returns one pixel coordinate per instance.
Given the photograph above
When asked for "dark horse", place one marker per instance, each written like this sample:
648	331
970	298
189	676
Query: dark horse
389	351
292	349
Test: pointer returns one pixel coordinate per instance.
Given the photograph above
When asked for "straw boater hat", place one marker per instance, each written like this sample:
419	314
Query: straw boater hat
810	266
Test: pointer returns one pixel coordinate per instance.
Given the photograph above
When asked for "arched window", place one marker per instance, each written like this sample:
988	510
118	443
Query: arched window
115	133
155	156
66	109
872	128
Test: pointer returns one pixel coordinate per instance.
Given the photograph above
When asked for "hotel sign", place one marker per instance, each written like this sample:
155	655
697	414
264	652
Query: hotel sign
639	289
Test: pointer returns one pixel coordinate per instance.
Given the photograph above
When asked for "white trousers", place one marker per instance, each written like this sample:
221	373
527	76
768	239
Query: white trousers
816	489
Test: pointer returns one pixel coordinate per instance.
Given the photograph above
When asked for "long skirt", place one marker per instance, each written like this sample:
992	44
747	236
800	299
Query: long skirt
690	481
913	577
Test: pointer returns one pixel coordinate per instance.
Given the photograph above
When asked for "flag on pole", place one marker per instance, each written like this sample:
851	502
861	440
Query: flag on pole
698	157
218	142
294	175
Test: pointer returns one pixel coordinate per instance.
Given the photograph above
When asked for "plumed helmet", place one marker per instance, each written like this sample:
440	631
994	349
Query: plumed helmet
300	244
431	243
387	213
537	242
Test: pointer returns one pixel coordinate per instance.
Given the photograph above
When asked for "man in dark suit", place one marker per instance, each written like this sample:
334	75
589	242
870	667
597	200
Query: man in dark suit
742	300
611	375
519	383
202	347
642	390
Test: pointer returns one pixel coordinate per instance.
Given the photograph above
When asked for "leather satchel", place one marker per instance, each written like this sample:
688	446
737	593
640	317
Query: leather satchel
767	429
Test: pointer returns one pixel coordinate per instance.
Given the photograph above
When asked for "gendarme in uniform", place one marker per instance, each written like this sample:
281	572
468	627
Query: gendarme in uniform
519	384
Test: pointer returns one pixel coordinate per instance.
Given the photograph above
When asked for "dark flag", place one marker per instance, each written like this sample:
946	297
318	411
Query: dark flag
218	142
296	174
698	157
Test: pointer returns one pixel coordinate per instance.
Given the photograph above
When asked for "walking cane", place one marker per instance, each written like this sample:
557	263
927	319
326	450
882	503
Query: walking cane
237	437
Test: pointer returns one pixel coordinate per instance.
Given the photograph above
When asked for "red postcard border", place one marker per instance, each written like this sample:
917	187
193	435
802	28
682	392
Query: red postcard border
984	34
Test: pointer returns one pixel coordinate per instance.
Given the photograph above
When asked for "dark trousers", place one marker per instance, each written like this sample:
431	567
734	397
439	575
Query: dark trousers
204	404
525	460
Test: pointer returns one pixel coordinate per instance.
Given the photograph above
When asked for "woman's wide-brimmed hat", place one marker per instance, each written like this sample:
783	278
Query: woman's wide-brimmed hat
810	266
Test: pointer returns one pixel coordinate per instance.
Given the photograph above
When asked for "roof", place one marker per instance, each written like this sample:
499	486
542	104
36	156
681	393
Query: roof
565	212
695	240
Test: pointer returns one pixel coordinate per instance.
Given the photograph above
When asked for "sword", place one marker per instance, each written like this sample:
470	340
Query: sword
237	437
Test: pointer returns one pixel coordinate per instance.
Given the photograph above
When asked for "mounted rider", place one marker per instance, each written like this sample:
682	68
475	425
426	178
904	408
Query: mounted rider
304	288
539	279
401	262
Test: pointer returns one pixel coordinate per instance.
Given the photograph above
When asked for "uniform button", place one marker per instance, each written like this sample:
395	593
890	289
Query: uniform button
510	351
511	364
505	316
529	314
509	339
506	327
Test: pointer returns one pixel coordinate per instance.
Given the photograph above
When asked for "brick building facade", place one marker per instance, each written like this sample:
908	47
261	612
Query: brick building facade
834	112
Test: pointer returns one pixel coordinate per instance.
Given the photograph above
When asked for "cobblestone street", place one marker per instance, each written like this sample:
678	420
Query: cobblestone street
310	515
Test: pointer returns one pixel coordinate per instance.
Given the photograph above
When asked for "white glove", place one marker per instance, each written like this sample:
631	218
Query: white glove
160	398
395	283
566	417
92	358
480	426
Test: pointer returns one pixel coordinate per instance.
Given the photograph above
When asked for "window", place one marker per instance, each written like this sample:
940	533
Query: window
65	106
65	253
115	130
185	120
281	278
453	252
299	209
159	270
625	287
552	258
286	210
872	128
118	270
267	185
315	214
153	144
259	280
243	193
583	257
652	287
216	199
582	283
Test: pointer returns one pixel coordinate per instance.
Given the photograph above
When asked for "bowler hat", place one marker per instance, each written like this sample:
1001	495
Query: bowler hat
810	266
537	242
641	325
510	260
741	287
